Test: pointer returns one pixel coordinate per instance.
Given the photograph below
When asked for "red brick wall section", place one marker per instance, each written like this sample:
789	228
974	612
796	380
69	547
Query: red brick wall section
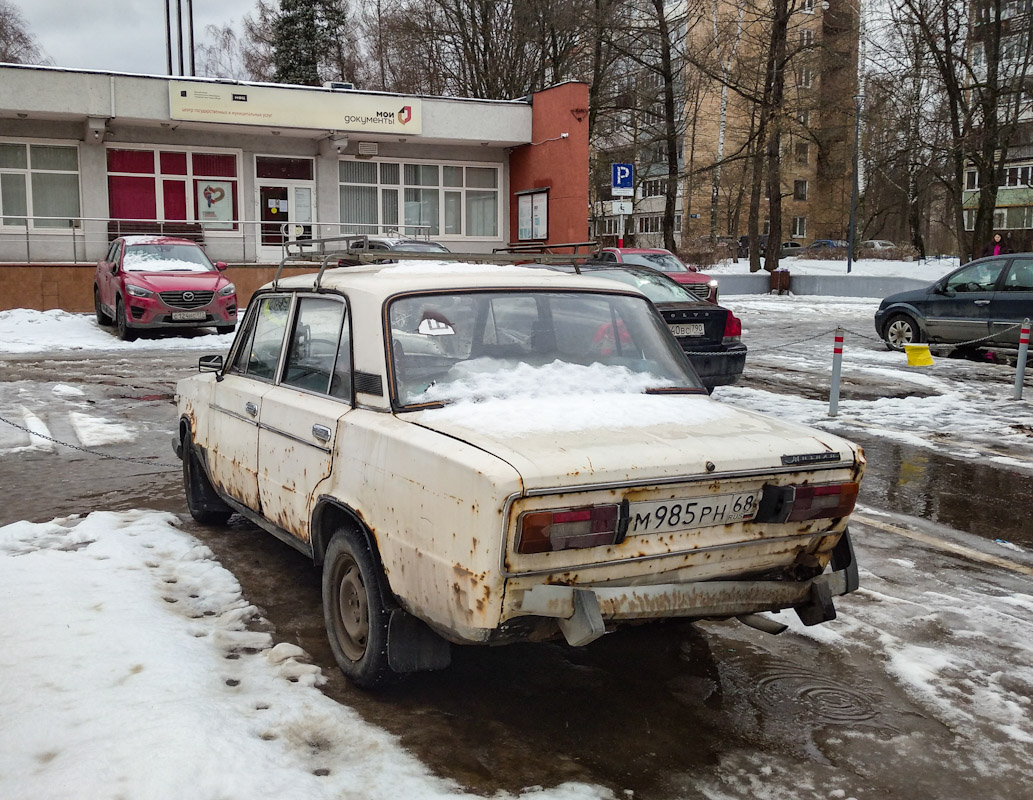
560	165
69	287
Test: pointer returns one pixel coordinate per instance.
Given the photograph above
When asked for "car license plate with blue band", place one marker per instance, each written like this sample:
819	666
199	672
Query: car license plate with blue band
665	516
688	329
186	316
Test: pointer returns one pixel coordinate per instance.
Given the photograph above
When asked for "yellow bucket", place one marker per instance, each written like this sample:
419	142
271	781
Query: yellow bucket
918	355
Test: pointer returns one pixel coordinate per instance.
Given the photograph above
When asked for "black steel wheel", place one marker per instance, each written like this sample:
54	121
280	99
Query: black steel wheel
355	610
901	329
125	333
203	503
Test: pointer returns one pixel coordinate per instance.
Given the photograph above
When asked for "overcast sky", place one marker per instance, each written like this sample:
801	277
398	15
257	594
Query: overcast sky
119	35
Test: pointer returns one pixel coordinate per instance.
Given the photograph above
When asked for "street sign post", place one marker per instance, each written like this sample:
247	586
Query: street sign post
622	184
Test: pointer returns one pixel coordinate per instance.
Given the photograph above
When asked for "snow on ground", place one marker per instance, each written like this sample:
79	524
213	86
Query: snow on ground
27	331
129	670
926	270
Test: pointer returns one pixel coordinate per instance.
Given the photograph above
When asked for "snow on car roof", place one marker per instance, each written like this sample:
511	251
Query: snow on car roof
144	239
384	280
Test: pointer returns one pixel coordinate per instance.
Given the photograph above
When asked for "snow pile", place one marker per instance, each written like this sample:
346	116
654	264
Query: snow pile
129	670
26	331
928	270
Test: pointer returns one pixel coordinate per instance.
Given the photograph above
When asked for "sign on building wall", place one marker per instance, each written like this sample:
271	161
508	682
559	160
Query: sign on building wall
215	204
533	216
293	108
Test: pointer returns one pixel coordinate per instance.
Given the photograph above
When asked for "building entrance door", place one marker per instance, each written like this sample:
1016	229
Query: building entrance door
285	213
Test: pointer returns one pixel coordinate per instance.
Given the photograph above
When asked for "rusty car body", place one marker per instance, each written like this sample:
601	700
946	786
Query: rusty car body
472	460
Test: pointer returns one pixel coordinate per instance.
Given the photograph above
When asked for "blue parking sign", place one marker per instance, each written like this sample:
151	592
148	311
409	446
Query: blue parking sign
623	183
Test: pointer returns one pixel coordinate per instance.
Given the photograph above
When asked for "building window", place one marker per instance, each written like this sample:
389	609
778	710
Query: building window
802	153
651	224
806	38
799	227
1000	218
419	199
807	6
804	118
656	187
766	227
805	79
41	182
970	219
799	190
173	185
1018	177
972	179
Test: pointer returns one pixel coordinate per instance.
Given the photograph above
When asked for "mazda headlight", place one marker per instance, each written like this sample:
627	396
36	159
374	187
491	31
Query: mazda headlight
229	288
138	291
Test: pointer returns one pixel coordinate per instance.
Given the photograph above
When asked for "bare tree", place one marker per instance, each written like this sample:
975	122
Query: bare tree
248	56
17	44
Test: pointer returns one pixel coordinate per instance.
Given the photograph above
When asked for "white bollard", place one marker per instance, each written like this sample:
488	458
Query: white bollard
837	366
1020	367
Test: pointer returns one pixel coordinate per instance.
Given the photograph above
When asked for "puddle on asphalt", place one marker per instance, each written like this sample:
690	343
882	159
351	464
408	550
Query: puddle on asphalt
988	500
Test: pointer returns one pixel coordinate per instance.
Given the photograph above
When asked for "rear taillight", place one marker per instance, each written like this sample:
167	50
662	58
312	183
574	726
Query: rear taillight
801	502
733	329
567	529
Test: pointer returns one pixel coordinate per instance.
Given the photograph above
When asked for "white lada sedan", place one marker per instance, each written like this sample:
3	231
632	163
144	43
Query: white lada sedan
480	454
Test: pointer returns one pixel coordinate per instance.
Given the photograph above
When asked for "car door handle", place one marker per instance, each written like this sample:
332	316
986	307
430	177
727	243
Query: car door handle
251	409
321	432
981	302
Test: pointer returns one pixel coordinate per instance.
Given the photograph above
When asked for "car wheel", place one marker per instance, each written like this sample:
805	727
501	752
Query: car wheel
102	318
900	330
125	333
203	503
355	611
225	328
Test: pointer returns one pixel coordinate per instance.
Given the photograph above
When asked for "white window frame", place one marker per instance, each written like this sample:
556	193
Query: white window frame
806	38
806	189
806	78
401	186
807	6
158	175
799	227
29	223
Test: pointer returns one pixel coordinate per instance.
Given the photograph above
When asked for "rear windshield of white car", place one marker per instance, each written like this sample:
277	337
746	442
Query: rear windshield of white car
484	345
166	258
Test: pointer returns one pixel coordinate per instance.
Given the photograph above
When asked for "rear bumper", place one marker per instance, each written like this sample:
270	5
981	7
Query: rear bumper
582	611
719	365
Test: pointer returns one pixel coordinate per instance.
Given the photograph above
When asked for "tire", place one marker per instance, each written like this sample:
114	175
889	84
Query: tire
203	503
102	318
125	333
355	611
901	329
221	329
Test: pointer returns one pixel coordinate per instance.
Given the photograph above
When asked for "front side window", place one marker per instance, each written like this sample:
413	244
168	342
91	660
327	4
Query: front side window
39	185
315	360
481	345
981	277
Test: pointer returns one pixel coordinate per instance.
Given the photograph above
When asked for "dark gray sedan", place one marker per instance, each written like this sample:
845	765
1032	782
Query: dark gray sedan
984	298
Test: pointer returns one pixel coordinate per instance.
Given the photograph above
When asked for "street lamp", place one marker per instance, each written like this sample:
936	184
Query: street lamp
858	102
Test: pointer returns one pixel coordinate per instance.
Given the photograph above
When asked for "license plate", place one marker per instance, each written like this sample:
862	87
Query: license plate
663	516
183	316
689	329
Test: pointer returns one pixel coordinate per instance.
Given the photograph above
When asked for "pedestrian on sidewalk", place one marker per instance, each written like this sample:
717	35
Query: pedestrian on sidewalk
995	247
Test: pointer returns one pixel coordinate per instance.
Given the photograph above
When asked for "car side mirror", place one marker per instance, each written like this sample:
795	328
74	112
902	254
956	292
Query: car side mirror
221	266
209	364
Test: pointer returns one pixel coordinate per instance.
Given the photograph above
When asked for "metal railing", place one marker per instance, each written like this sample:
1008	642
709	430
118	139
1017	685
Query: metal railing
42	239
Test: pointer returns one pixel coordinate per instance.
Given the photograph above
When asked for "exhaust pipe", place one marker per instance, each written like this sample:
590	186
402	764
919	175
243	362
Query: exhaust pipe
765	624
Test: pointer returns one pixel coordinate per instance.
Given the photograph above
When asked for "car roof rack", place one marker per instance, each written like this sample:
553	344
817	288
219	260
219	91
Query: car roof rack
355	249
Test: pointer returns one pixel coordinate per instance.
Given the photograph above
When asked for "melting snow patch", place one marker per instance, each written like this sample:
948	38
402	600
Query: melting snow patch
96	431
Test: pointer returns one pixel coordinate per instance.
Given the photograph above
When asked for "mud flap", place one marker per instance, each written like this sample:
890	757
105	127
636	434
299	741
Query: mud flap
586	624
819	608
414	647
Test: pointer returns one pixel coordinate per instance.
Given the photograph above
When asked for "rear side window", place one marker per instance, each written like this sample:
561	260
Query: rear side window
1020	276
262	341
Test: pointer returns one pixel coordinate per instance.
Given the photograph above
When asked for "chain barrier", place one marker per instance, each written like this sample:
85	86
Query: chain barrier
108	456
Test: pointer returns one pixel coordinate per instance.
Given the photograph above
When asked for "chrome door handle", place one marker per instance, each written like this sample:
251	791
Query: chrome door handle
981	302
251	409
321	432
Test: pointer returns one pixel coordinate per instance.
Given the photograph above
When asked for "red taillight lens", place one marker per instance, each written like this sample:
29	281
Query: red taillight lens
733	328
545	531
823	501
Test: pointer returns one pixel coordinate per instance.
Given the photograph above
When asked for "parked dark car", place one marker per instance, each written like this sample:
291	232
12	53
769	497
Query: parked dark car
709	334
987	297
699	284
409	245
827	244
